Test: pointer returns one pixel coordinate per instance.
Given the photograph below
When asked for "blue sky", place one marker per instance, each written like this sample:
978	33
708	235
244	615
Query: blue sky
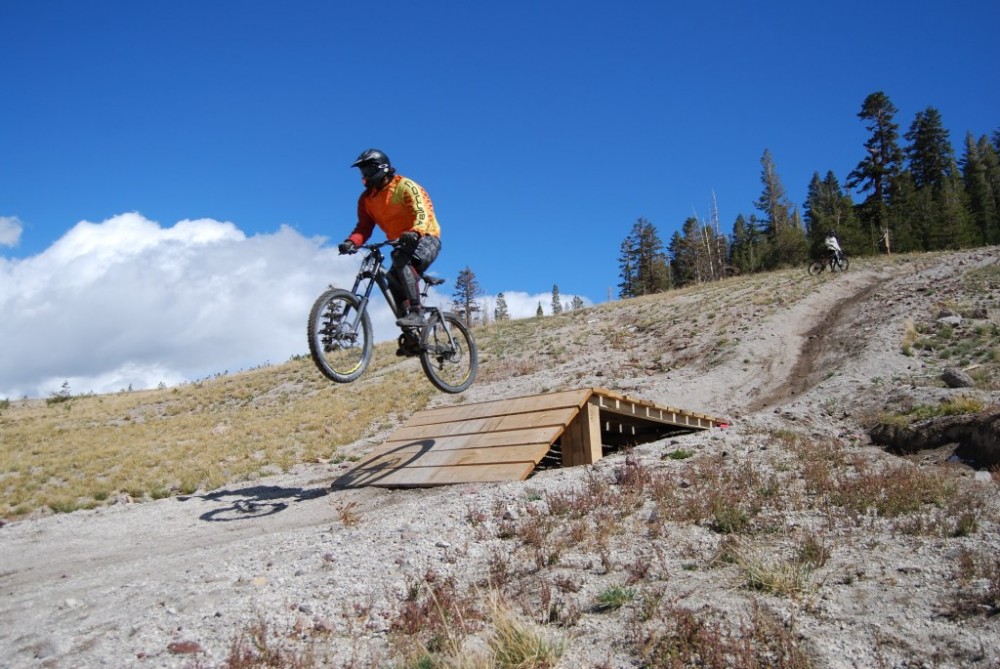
542	131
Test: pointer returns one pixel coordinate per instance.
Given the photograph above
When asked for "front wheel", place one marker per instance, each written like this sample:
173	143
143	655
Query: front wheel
840	263
448	354
340	335
816	267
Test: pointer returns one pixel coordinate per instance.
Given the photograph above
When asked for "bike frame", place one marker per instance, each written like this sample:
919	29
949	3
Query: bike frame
374	273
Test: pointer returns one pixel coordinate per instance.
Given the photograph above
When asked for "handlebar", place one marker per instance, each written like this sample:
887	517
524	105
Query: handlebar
371	247
387	242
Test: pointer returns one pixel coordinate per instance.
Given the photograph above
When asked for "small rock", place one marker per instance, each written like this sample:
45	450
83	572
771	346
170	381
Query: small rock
184	647
956	378
122	498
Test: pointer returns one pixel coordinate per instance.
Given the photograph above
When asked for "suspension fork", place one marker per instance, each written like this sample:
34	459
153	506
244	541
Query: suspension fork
436	318
364	297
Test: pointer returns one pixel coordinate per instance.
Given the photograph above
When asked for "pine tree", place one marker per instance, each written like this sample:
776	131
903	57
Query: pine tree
982	203
930	155
684	254
643	265
828	208
782	226
556	302
501	312
990	158
577	302
881	165
538	312
747	251
902	217
628	267
467	289
944	220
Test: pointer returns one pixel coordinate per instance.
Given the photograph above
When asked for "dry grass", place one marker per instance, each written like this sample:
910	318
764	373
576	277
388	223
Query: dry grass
85	451
438	622
674	637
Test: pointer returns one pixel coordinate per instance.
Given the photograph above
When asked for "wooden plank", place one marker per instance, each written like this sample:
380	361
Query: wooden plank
426	476
480	440
590	423
571	444
551	417
529	404
626	406
581	442
462	456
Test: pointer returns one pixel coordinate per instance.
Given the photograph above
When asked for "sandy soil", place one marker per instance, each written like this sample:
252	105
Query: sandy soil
171	583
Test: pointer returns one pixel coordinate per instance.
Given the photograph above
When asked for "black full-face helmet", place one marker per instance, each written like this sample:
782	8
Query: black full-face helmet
375	167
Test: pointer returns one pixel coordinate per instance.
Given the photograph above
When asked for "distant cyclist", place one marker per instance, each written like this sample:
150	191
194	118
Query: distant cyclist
403	211
831	243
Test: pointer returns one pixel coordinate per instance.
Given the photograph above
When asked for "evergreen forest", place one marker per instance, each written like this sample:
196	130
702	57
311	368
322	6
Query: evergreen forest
914	195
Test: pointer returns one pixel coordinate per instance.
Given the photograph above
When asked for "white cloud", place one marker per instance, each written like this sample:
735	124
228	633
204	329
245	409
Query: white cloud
10	230
525	305
129	303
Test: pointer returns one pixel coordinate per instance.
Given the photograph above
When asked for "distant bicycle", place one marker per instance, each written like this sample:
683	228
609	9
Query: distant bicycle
340	331
837	262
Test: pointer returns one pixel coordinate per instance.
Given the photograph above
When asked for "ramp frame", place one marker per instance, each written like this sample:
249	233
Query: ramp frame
507	439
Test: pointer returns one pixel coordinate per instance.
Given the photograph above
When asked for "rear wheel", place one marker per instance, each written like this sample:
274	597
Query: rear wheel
448	354
340	336
816	267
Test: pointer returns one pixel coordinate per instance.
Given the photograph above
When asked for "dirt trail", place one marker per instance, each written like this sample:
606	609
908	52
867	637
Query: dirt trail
818	337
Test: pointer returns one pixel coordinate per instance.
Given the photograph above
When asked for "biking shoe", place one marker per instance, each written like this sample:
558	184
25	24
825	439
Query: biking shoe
409	344
414	319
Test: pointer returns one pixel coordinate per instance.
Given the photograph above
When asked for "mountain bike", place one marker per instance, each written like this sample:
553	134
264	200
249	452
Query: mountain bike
836	261
341	337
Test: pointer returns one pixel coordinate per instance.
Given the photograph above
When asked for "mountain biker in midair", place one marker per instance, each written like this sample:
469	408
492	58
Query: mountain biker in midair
401	208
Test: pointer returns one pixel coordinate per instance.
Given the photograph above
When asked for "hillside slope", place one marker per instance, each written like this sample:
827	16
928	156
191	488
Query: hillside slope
789	528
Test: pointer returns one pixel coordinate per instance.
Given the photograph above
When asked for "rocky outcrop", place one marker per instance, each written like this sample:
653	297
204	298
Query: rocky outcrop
976	436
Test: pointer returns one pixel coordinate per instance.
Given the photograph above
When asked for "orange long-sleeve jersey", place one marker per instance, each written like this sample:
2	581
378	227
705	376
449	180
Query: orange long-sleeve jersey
401	206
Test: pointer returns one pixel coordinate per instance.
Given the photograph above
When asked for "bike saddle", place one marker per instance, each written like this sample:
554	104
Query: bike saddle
432	280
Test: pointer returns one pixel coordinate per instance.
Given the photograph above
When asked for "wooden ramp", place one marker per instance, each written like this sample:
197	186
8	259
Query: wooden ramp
505	440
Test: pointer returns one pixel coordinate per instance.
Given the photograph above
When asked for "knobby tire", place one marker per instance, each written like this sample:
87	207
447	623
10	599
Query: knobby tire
340	352
450	363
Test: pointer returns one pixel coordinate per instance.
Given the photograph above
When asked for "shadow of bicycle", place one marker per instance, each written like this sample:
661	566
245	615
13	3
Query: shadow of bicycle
256	501
383	463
